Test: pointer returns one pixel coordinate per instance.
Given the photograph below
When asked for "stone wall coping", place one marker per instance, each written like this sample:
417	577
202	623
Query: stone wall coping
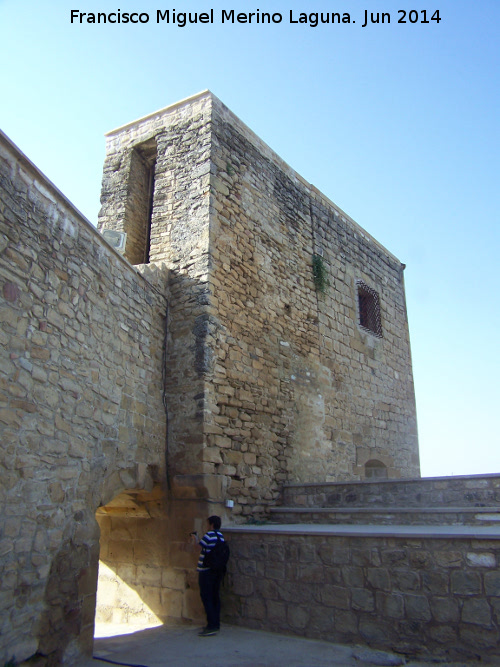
21	158
400	480
59	197
403	532
161	112
377	510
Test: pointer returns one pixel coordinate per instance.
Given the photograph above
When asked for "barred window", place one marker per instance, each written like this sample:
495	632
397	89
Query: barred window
369	309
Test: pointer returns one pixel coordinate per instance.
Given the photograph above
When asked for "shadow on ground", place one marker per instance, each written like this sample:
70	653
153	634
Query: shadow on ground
238	647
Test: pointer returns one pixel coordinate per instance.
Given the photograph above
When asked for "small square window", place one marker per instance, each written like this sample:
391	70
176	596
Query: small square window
369	309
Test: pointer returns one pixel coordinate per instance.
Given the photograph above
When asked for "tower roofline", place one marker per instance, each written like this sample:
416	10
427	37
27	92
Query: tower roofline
161	112
265	149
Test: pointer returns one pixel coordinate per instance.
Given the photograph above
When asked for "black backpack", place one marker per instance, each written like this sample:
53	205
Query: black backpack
217	557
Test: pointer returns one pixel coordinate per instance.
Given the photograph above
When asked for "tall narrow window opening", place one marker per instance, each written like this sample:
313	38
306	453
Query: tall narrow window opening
151	192
369	309
140	197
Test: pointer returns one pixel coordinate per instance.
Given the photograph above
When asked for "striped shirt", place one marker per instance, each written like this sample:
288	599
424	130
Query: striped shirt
207	543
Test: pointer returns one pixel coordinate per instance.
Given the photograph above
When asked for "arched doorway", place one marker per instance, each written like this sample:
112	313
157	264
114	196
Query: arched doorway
134	554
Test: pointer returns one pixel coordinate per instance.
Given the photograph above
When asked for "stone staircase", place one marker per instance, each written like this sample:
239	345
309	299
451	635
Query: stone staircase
411	566
437	501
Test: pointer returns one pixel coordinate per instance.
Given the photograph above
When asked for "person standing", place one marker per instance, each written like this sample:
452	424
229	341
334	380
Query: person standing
209	579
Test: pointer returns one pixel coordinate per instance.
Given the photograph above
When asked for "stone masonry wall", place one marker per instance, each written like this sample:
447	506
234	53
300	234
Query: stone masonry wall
434	598
428	492
264	380
179	238
267	380
81	413
147	569
300	391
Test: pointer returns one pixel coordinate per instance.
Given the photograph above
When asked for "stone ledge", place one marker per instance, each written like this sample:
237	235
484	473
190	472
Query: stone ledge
401	531
401	480
386	509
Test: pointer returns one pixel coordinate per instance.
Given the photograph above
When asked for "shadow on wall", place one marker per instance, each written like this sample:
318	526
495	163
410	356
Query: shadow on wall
147	568
66	629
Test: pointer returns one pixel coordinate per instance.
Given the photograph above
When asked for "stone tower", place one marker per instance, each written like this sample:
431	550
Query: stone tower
288	354
251	335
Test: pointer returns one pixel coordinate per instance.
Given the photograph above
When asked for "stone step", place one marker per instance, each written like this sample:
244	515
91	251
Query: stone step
472	491
385	516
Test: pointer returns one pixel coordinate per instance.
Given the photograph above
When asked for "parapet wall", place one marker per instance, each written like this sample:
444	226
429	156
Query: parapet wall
428	492
430	598
81	413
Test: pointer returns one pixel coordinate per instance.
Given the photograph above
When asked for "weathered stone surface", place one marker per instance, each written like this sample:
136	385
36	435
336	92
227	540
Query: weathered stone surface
465	583
482	559
218	324
418	622
289	377
67	390
477	612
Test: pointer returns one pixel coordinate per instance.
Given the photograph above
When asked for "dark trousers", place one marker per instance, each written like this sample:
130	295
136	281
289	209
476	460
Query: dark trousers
210	581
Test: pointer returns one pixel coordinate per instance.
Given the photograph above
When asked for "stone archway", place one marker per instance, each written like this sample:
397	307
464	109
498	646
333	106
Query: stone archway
146	568
133	554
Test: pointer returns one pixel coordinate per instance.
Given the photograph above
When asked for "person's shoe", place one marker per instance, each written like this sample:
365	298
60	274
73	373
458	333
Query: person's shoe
208	632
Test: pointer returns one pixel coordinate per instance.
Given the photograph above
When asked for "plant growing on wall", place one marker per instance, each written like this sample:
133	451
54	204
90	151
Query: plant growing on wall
320	274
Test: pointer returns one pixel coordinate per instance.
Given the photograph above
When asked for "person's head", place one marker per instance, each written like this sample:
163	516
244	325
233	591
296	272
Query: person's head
214	522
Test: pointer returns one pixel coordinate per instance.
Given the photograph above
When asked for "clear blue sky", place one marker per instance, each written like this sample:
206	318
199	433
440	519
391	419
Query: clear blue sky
397	123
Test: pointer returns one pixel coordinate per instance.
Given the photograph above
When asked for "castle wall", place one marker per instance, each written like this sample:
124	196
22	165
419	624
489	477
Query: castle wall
81	413
269	380
147	568
302	391
179	138
264	379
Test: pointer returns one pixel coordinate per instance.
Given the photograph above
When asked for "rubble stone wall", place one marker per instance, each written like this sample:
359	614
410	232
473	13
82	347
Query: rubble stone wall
81	413
458	491
179	138
428	598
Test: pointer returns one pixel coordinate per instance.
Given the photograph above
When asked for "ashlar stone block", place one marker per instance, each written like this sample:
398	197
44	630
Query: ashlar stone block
298	616
492	583
378	578
362	600
481	559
